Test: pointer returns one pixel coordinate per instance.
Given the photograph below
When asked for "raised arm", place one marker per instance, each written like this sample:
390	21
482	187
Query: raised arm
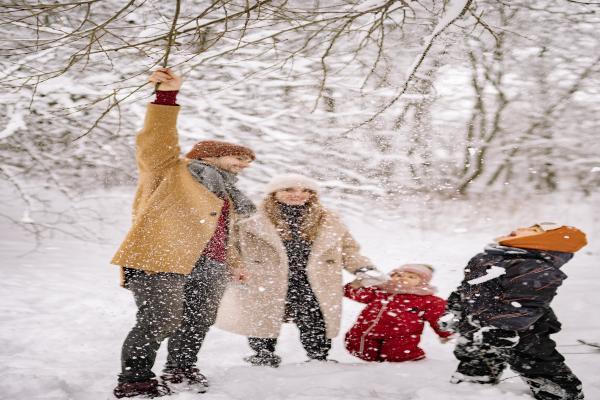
157	144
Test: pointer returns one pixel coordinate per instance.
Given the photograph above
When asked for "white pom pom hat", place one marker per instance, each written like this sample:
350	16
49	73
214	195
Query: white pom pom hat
284	181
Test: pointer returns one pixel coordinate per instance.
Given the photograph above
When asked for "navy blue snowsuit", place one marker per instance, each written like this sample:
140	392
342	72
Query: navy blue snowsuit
510	290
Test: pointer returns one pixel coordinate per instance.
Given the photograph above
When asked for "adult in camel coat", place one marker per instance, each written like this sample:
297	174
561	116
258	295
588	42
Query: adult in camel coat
292	252
177	257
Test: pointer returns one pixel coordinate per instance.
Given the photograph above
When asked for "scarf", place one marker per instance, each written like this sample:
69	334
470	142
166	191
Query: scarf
222	184
297	248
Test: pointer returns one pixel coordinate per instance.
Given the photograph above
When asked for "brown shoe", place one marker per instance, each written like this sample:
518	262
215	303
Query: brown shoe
149	389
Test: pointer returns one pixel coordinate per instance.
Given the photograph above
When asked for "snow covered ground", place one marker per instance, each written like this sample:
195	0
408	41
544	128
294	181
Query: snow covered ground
64	317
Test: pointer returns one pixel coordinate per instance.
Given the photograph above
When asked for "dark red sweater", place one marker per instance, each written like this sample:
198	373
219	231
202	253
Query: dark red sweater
216	249
166	97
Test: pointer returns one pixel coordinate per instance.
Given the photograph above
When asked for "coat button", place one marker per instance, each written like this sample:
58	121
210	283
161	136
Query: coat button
213	213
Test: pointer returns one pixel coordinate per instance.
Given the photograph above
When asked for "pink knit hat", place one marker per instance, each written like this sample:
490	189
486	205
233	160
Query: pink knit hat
425	271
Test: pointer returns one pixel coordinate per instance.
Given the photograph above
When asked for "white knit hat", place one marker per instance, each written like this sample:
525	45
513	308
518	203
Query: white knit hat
285	181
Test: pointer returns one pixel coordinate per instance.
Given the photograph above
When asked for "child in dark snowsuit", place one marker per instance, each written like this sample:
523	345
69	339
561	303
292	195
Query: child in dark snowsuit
390	327
502	311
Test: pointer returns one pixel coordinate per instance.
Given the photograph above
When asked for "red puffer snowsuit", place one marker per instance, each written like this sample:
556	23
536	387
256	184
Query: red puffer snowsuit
390	327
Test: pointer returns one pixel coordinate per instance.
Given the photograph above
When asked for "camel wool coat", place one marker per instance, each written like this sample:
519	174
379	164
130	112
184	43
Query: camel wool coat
256	307
174	216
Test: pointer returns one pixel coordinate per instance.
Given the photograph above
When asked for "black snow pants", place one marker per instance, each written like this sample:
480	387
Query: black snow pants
534	358
179	307
306	313
302	306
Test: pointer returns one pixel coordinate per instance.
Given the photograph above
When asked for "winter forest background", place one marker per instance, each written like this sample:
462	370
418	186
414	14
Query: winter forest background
441	122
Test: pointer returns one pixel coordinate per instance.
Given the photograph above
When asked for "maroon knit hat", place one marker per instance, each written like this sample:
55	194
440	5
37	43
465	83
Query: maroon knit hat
215	148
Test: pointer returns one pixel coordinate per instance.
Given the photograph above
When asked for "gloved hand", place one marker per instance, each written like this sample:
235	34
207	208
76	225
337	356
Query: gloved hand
495	337
371	276
449	321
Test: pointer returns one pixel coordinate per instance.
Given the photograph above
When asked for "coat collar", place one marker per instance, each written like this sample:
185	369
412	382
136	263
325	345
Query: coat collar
329	236
558	259
260	226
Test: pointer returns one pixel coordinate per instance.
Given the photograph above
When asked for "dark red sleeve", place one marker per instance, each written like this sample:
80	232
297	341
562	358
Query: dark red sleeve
166	97
436	309
361	294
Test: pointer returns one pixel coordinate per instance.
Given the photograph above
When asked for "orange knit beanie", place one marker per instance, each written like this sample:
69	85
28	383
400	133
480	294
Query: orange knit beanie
566	239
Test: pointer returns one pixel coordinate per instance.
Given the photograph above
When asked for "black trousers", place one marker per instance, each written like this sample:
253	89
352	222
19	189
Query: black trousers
303	308
181	308
535	359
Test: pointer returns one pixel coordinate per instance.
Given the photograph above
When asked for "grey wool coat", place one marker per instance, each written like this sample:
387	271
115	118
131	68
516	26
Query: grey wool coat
256	307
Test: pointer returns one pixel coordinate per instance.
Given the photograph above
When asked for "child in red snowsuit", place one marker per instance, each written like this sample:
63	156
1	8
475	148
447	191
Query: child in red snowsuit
390	327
